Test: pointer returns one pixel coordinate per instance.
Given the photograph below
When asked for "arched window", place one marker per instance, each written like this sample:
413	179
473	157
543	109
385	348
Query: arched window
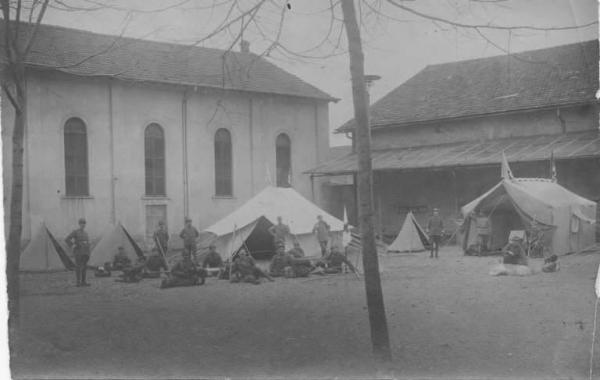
283	159
223	163
154	154
76	160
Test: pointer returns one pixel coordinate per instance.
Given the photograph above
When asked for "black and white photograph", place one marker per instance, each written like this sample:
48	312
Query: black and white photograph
300	189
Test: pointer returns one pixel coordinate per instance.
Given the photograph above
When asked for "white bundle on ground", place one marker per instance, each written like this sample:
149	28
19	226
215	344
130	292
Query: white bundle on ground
510	270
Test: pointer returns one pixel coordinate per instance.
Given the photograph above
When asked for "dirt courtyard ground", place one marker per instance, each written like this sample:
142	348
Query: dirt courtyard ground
448	318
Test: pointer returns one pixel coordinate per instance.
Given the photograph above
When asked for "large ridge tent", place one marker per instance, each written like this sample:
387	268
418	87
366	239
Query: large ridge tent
566	219
44	253
249	224
411	237
114	237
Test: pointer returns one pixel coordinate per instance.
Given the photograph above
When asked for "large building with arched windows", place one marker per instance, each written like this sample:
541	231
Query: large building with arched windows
134	131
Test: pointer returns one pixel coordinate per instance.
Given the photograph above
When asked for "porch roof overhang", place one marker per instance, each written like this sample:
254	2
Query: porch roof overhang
473	153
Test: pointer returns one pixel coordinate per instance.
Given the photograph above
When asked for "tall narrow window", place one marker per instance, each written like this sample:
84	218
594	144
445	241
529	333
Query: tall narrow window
223	163
76	160
154	151
283	159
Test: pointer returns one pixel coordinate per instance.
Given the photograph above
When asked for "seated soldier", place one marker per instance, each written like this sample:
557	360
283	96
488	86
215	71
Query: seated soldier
134	273
244	269
334	261
279	262
102	271
514	253
301	267
551	264
184	273
153	266
213	261
297	251
120	260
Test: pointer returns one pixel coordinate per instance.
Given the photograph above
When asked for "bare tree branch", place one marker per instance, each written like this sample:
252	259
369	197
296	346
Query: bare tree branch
11	98
33	34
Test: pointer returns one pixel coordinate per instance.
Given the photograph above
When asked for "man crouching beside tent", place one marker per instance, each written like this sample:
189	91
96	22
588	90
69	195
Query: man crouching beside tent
184	273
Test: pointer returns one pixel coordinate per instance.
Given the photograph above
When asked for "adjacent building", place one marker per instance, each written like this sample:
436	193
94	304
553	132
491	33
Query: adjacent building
438	138
136	131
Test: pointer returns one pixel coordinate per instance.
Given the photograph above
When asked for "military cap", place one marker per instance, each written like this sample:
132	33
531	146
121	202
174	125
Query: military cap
81	220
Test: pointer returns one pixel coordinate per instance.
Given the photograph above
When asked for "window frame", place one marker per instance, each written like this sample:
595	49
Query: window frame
151	174
80	189
283	182
223	168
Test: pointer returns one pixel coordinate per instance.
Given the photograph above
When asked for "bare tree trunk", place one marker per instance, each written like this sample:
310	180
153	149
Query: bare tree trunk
377	319
13	244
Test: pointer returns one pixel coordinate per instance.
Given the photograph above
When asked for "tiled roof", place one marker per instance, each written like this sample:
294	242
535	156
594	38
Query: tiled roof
560	75
84	53
521	149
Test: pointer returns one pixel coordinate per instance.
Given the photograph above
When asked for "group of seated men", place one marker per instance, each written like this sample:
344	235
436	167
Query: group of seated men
514	253
143	267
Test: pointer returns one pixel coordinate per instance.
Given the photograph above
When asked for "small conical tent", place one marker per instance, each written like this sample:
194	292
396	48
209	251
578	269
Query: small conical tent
249	224
44	253
411	237
518	203
115	236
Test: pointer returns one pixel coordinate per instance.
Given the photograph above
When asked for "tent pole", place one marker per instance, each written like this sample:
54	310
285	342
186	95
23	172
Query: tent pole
231	253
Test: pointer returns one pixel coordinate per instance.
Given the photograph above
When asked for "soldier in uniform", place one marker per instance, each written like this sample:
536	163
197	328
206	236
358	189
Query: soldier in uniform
79	241
189	234
120	261
279	231
435	229
279	262
184	273
297	251
244	269
161	236
212	260
321	230
482	223
514	253
134	272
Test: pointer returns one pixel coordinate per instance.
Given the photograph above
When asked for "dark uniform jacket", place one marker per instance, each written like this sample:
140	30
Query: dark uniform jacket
184	269
189	235
279	262
212	260
162	236
435	226
79	241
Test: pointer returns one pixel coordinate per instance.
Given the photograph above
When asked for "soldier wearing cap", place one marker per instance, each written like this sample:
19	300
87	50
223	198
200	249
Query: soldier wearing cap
213	259
79	241
161	236
279	262
514	253
321	230
189	234
435	229
279	231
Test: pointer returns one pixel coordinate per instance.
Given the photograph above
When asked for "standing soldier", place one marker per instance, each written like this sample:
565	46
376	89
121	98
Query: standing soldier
483	231
79	241
321	229
279	231
189	234
435	229
161	237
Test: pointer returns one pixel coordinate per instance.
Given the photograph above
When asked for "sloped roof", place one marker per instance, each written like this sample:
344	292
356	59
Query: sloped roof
517	149
296	211
561	75
85	53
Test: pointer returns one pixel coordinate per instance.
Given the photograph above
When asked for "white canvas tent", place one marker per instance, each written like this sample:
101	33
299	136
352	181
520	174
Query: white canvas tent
411	237
515	203
249	224
114	237
44	253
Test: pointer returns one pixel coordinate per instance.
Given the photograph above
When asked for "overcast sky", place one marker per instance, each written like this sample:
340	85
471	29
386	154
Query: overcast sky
395	48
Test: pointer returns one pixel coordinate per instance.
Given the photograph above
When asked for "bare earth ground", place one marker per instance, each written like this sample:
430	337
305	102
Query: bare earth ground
447	318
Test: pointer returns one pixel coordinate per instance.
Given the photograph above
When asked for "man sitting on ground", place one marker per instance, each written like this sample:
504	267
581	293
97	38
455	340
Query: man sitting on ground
134	273
551	264
120	260
297	251
184	273
333	262
280	262
212	263
514	253
154	264
244	269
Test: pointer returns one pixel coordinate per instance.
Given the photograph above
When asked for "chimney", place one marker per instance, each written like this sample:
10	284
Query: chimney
245	46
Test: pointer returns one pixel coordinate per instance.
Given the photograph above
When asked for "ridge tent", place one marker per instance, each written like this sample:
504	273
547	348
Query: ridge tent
44	253
566	219
114	237
411	237
249	224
